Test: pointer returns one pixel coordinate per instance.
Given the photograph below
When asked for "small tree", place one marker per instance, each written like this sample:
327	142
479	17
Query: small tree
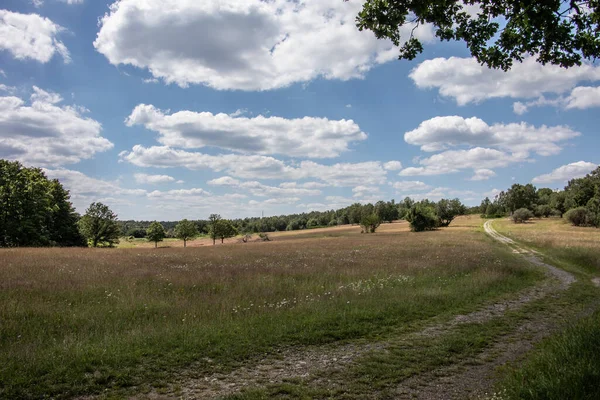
213	226
99	225
370	223
422	217
580	216
447	210
522	215
226	230
155	233
543	210
185	230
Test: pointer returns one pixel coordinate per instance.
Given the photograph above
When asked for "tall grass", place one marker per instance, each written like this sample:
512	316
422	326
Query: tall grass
566	366
79	321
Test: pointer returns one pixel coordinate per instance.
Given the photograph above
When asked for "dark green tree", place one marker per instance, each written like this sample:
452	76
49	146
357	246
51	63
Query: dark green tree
185	230
561	32
99	226
521	196
155	233
34	211
558	202
225	230
370	223
213	227
447	210
64	230
422	217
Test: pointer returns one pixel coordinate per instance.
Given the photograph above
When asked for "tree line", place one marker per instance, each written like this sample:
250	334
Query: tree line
578	202
36	211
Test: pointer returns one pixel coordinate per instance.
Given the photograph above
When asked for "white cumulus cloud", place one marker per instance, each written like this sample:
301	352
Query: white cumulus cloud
302	137
567	172
45	133
456	160
258	167
440	133
483	174
30	36
410	186
153	179
466	81
246	45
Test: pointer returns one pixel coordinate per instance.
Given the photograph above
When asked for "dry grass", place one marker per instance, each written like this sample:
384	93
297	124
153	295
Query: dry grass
552	232
76	321
559	239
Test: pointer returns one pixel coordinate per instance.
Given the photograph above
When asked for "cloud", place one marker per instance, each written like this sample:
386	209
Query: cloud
178	193
258	189
410	186
245	45
305	185
392	166
482	174
456	160
582	97
440	133
30	36
365	191
439	193
257	167
153	179
567	172
45	133
466	81
302	137
86	190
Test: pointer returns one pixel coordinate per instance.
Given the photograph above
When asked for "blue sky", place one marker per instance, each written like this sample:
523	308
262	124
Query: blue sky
178	109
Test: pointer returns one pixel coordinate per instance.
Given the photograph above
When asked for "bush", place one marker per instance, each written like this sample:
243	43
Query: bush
522	215
370	223
580	216
543	210
264	237
422	218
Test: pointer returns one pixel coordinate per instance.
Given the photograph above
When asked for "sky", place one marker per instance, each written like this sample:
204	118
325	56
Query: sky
170	109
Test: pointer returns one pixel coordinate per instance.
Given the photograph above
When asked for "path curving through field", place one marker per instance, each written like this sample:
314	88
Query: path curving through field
564	277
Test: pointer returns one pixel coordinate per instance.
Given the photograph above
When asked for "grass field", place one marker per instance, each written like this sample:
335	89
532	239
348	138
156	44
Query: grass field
123	321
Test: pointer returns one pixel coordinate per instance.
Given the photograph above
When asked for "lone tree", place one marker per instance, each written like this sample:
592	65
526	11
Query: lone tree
447	210
99	225
422	217
186	230
496	32
213	226
370	223
226	230
155	233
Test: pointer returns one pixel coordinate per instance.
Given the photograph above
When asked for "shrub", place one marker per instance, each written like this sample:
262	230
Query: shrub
422	218
580	216
370	223
264	237
522	215
543	210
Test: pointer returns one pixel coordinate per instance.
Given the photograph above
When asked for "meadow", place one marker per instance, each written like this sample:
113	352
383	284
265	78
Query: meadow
142	321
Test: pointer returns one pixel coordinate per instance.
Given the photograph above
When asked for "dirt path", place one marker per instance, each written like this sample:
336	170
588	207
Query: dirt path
530	255
474	378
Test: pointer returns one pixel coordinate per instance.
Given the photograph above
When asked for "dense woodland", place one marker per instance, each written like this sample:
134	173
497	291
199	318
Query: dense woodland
36	211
